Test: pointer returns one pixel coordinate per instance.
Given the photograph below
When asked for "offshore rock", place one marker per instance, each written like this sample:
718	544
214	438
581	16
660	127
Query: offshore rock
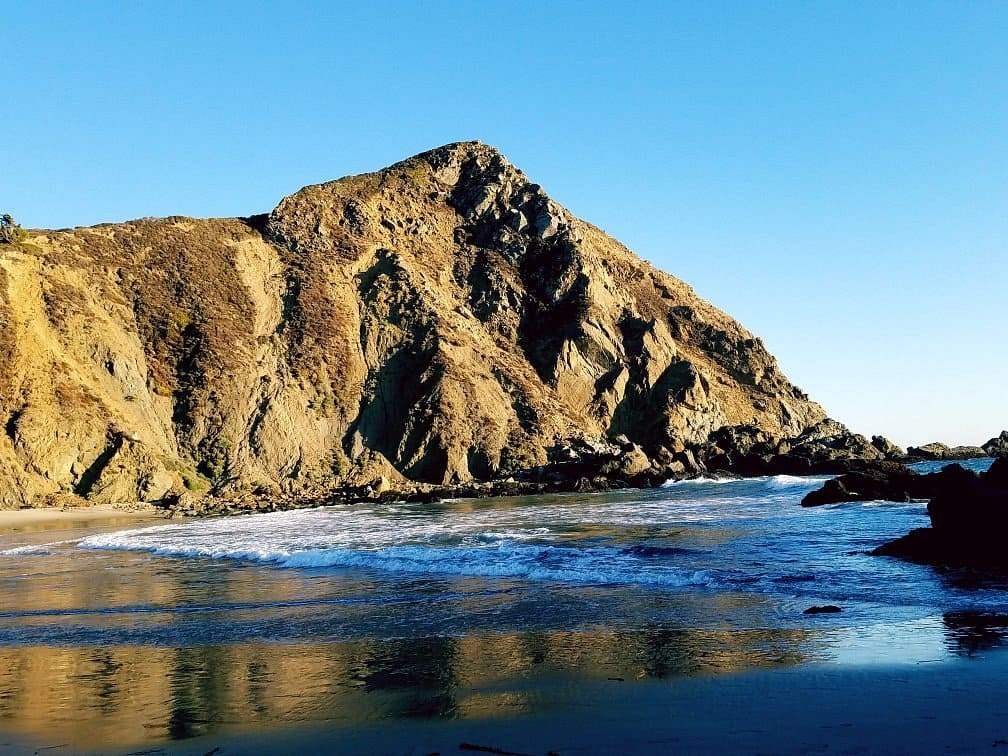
885	481
969	521
892	481
938	451
826	447
887	448
441	321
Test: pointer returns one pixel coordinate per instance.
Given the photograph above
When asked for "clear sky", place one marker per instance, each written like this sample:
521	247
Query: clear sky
833	174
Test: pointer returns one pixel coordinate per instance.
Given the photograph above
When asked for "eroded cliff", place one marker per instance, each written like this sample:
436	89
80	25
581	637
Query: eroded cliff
440	320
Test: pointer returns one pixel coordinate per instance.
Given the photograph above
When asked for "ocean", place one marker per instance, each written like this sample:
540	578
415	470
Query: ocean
126	636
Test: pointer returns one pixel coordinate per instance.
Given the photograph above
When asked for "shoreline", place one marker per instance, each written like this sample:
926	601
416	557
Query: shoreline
187	506
15	518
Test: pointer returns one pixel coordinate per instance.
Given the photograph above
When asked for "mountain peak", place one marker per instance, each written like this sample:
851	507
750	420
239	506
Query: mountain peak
475	180
458	153
469	164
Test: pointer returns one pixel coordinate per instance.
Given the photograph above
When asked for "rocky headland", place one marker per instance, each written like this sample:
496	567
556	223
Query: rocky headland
439	327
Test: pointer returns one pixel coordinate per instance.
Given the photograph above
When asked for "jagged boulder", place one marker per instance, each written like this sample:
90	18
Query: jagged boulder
883	481
887	448
997	446
825	447
932	451
831	440
887	481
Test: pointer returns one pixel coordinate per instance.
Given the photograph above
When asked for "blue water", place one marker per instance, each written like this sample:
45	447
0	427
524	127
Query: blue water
699	554
119	634
978	465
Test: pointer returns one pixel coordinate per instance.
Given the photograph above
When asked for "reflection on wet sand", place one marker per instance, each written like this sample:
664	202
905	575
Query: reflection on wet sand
130	695
969	633
117	650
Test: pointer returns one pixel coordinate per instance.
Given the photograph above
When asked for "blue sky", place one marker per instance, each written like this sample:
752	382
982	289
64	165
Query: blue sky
835	175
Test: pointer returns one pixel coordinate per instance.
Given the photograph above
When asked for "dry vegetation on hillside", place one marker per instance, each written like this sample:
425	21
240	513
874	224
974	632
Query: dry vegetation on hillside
441	319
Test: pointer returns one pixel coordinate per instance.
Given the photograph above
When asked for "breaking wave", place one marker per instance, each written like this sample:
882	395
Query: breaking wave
40	549
634	538
508	559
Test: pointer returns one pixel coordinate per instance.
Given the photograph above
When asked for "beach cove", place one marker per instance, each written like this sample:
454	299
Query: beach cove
626	621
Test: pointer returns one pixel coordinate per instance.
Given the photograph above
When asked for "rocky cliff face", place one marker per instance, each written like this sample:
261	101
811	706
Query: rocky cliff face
440	320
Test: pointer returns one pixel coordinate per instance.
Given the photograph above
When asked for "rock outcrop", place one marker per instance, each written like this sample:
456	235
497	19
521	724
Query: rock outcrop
969	521
941	452
997	446
880	481
869	480
442	320
823	448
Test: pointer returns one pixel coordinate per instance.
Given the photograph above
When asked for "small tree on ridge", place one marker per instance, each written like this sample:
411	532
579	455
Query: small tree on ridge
10	231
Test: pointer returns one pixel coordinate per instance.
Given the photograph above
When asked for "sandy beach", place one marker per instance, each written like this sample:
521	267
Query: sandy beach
12	519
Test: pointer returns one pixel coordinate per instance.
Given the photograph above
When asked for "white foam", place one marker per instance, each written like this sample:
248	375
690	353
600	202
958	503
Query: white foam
698	481
793	481
504	559
38	549
773	480
481	538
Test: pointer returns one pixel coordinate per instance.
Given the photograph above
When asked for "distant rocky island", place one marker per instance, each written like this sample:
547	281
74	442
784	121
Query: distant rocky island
439	325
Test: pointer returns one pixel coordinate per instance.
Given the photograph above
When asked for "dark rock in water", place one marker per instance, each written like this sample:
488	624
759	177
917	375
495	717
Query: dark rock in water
790	464
966	507
584	466
887	481
423	497
997	446
827	609
969	521
830	440
882	481
997	473
968	452
929	451
827	447
919	545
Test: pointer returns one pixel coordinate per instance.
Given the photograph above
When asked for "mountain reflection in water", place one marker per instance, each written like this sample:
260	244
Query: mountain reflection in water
121	695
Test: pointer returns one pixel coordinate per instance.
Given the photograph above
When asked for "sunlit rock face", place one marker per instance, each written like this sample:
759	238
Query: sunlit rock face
441	320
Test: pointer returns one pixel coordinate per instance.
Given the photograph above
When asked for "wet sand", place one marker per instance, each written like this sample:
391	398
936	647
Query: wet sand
952	706
15	519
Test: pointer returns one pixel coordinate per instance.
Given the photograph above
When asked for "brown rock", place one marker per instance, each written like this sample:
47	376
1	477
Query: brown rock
442	320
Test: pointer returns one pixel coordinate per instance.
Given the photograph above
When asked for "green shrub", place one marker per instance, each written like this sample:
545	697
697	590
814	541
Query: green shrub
215	457
194	481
